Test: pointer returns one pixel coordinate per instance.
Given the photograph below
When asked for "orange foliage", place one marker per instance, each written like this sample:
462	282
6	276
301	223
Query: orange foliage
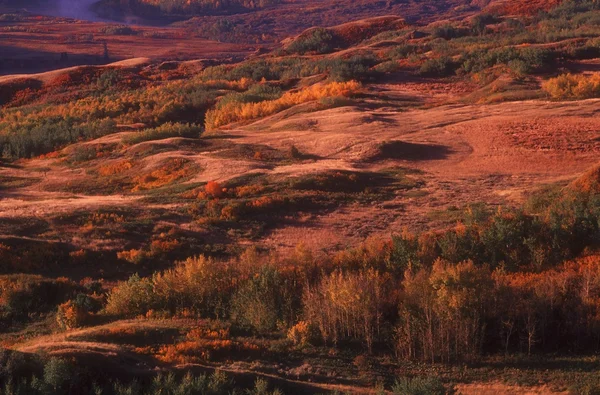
204	345
170	171
163	246
248	190
526	7
588	182
70	316
133	255
104	219
115	168
573	86
214	189
235	111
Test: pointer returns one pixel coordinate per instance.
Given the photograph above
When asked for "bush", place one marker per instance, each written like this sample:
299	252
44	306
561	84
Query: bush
524	61
118	30
354	68
131	298
57	374
165	131
76	312
23	296
214	189
419	386
573	86
261	302
479	23
318	40
402	51
447	32
437	67
198	285
70	315
49	134
302	334
256	93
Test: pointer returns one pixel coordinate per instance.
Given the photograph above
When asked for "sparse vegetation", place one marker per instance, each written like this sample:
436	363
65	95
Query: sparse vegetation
344	223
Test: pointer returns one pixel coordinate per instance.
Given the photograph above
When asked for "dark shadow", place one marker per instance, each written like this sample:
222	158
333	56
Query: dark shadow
221	136
142	337
412	152
8	165
381	118
16	60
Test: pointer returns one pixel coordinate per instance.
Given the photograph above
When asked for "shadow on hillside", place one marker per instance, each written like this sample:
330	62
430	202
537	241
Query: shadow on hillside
412	152
17	60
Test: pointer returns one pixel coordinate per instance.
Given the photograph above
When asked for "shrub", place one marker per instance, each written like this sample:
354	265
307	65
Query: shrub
302	334
200	285
256	93
10	17
260	303
217	383
108	79
165	131
479	23
447	32
356	67
70	315
167	172
402	51
318	40
213	189
573	86
437	67
57	374
419	386
48	134
131	298
25	295
118	30
525	61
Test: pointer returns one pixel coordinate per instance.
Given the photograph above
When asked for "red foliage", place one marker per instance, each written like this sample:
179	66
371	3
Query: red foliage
522	7
214	189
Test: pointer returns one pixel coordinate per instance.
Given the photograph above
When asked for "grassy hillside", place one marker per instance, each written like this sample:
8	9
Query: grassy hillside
377	206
